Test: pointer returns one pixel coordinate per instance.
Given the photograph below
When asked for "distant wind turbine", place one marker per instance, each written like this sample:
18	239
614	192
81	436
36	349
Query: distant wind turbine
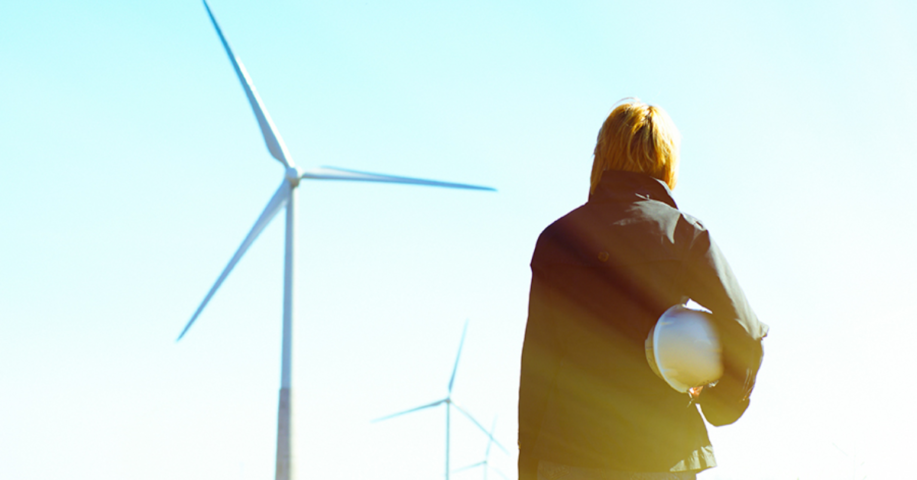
485	464
449	405
285	197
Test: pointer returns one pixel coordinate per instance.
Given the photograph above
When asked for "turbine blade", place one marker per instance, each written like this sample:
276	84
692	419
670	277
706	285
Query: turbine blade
469	467
271	137
497	443
457	356
429	405
277	202
498	472
490	441
334	173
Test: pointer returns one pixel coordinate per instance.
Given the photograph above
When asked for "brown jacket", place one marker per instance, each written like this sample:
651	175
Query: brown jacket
601	277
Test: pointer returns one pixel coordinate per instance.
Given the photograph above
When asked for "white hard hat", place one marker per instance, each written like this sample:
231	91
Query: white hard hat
683	348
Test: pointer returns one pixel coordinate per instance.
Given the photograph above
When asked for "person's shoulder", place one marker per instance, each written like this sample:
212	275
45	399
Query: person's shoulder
690	230
553	239
692	220
561	226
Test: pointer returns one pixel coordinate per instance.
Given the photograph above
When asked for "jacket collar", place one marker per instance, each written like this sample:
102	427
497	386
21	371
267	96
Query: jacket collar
620	186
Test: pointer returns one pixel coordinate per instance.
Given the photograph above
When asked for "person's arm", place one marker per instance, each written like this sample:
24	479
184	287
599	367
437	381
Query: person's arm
539	366
711	283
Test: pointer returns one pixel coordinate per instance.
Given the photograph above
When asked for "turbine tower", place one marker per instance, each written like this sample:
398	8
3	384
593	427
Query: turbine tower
449	405
285	196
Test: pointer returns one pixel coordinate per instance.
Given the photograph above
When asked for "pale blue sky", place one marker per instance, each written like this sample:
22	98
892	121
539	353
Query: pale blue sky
131	167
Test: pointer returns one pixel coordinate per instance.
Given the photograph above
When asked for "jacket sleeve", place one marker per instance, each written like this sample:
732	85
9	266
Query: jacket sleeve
539	366
711	283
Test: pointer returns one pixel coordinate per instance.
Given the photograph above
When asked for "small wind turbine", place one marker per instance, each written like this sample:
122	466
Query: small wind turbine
285	197
485	464
449	405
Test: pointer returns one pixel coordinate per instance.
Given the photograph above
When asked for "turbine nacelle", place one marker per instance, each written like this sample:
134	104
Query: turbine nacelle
294	175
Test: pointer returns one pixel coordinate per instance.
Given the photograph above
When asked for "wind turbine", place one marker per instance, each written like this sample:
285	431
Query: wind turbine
449	405
485	464
285	196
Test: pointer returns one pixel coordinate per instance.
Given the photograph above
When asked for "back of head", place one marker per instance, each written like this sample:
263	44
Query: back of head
637	137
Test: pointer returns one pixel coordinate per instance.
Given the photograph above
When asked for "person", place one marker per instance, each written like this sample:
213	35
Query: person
590	406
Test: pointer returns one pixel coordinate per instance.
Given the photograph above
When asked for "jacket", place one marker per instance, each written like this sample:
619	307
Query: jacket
601	277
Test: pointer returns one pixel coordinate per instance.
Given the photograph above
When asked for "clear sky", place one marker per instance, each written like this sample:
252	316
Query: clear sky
131	167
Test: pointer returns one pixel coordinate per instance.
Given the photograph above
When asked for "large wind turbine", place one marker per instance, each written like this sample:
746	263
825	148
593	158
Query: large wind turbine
449	405
285	197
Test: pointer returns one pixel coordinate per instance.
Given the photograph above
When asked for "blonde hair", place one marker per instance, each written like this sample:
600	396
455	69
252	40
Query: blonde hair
637	137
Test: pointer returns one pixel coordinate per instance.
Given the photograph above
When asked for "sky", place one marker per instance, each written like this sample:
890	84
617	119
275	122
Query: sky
131	167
